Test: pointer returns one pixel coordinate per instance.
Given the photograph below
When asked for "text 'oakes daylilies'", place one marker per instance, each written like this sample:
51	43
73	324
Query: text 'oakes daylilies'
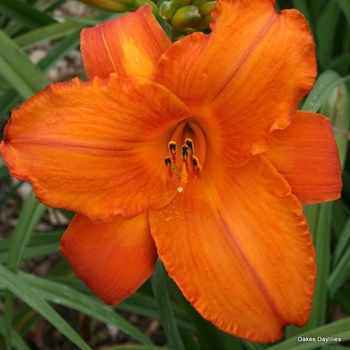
193	152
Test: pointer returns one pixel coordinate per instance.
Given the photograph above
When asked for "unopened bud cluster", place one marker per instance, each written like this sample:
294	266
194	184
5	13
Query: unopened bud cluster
187	15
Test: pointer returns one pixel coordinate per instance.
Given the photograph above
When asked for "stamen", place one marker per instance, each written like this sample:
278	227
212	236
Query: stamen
167	161
196	164
175	168
191	168
176	172
185	153
189	144
172	147
172	151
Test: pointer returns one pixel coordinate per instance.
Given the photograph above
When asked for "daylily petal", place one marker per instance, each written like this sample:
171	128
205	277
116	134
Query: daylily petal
96	148
114	258
237	244
130	45
249	74
306	154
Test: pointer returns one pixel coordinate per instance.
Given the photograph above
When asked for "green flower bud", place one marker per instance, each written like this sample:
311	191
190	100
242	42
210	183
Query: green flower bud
181	3
185	17
167	9
198	3
139	3
207	8
203	23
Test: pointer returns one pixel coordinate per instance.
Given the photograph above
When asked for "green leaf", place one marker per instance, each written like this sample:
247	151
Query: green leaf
326	30
144	305
24	13
340	61
339	329
137	303
14	78
340	274
165	308
27	317
50	32
48	5
325	83
316	7
64	295
343	244
342	298
31	213
20	288
17	341
3	86
4	173
337	107
40	245
319	220
18	70
345	6
339	217
8	100
25	320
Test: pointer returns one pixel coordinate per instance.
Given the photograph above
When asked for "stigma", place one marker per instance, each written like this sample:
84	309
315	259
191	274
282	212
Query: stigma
190	167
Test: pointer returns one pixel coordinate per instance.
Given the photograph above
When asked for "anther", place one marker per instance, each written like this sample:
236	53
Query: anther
189	144
172	147
167	161
191	167
185	153
196	164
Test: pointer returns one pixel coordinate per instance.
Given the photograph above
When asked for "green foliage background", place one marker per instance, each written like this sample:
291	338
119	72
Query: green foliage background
25	24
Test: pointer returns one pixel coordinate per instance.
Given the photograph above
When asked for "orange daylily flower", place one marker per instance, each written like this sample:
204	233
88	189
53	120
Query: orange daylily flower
224	210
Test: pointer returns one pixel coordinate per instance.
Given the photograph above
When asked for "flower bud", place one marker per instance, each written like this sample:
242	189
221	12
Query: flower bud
207	8
203	23
181	3
167	9
185	17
